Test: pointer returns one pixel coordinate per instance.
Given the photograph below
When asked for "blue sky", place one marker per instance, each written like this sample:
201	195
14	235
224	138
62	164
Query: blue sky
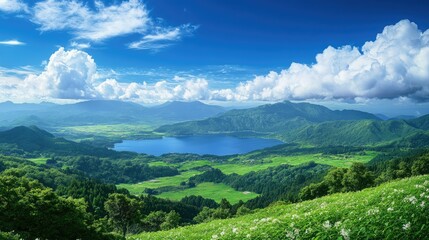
217	50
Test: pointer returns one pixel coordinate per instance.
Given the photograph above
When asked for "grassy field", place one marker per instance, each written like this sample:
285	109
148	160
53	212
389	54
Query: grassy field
396	210
138	188
215	191
338	160
114	132
40	160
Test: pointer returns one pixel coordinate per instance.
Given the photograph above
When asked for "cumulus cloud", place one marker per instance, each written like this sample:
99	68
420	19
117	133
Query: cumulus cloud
67	75
395	64
73	75
12	42
13	6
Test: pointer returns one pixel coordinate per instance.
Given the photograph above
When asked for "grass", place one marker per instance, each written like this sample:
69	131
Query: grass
138	188
39	161
339	160
215	191
396	210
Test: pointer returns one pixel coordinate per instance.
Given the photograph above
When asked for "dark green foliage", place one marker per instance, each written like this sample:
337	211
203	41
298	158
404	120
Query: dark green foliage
92	191
123	211
278	183
199	202
151	204
112	171
355	178
213	175
34	211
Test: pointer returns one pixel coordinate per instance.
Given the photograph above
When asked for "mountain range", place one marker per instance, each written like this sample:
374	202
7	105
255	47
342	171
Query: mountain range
304	123
102	112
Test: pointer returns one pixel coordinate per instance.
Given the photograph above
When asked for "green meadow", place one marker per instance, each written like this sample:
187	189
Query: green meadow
215	191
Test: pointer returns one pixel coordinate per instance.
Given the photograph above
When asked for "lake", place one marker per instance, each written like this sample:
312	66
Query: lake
208	144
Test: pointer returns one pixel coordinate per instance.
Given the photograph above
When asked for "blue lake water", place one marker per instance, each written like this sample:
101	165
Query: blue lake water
211	144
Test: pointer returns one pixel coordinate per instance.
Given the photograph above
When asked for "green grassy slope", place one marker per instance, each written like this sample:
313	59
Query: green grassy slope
396	210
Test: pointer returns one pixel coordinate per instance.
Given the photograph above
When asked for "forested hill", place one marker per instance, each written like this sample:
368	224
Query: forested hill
33	140
266	118
305	123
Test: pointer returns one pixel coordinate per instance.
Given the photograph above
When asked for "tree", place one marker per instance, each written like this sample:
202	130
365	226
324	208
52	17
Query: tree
357	178
334	180
420	166
33	211
314	190
123	211
172	220
243	210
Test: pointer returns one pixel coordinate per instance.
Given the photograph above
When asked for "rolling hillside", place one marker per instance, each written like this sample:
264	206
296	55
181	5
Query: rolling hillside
395	210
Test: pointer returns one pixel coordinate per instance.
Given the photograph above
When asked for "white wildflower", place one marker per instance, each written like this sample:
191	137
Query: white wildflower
215	236
422	204
327	224
323	205
337	224
308	230
390	209
406	226
253	228
222	233
373	211
296	231
235	230
248	235
345	234
411	199
290	235
295	216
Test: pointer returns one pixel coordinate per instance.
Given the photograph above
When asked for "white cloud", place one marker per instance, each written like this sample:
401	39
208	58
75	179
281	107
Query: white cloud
96	24
80	45
163	37
103	23
394	65
13	6
67	75
11	42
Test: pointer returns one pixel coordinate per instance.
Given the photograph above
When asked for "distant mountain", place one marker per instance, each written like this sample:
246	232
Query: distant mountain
266	118
403	117
420	122
14	107
102	112
382	116
185	111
